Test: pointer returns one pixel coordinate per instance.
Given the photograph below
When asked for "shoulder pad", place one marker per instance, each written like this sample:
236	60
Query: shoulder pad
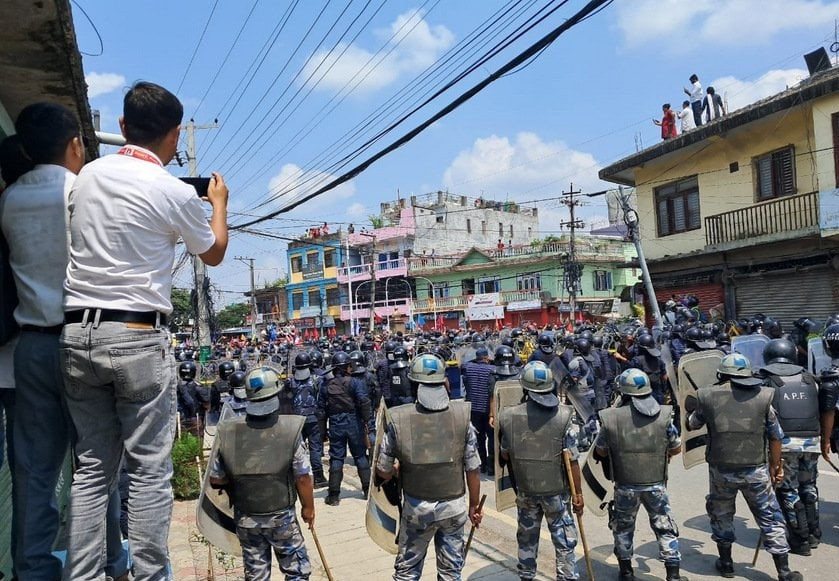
831	372
828	393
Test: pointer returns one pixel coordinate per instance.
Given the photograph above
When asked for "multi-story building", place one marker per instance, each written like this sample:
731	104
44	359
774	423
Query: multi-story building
313	295
523	284
744	211
434	225
271	304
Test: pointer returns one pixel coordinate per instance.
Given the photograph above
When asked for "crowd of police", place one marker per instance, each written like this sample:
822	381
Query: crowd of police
590	386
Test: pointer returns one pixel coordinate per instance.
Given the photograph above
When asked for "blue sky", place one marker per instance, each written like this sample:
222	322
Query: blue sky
581	104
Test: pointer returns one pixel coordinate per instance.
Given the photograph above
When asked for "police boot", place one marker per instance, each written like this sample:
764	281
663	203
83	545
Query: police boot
673	572
724	564
815	531
364	476
799	532
335	477
319	480
782	565
625	573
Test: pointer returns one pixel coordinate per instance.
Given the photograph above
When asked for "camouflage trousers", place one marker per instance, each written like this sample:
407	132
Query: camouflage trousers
798	492
415	533
757	490
556	510
624	511
284	537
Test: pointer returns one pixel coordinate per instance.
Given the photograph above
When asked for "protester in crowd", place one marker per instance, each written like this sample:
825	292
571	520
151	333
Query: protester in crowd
667	123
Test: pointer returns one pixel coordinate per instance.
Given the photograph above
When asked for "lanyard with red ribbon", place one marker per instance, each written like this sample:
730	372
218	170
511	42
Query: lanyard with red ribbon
138	154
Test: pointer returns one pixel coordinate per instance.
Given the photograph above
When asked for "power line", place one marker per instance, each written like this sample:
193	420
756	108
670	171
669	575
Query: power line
197	46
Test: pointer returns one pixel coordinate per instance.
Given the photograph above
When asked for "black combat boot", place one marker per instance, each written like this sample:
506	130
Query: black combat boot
799	532
319	480
364	476
782	565
625	573
724	564
812	510
673	572
335	477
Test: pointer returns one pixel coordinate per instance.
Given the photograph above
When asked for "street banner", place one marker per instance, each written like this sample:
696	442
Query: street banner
752	347
817	359
507	394
382	517
696	371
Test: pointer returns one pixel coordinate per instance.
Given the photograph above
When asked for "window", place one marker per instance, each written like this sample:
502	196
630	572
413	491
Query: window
468	226
483	227
314	298
677	207
329	258
511	230
488	284
441	289
602	280
312	258
296	263
775	174
467	286
439	218
500	230
529	233
296	301
333	297
529	281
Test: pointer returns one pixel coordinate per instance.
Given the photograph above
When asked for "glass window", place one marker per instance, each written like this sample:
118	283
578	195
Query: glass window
488	284
333	297
441	289
677	207
329	258
296	263
529	281
312	258
296	301
602	280
468	226
314	298
500	230
775	174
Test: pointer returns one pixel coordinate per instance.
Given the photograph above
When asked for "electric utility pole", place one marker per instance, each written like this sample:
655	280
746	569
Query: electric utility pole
573	269
202	291
249	261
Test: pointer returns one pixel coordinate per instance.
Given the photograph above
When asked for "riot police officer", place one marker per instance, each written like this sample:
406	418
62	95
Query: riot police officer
505	371
303	386
382	368
532	437
649	361
435	446
340	403
398	390
829	390
797	404
637	439
187	395
740	420
366	381
263	463
220	390
545	351
603	383
238	400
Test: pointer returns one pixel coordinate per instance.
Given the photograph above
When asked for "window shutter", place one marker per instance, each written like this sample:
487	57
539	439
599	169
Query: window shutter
764	177
783	162
663	218
693	209
679	216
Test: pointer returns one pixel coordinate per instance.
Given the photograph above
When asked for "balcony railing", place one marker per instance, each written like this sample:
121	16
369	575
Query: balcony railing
792	215
384	269
383	309
460	302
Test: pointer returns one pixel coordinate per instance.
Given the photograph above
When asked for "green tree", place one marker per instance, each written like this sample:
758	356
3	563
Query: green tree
279	283
181	309
233	315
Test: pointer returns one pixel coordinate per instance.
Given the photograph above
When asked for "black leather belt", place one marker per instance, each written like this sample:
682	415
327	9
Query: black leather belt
114	316
54	330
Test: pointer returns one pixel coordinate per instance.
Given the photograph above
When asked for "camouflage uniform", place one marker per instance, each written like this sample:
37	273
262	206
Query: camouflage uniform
624	510
756	486
258	534
557	512
423	520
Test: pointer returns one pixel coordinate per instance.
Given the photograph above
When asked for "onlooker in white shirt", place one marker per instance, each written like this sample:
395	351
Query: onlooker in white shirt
126	215
695	94
686	116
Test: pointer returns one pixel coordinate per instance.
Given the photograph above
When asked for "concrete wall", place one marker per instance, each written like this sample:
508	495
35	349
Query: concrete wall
807	128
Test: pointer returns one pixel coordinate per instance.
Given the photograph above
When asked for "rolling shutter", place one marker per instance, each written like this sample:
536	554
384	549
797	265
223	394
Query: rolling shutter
788	296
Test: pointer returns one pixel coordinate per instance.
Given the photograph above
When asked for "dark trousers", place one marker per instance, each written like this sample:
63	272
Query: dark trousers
486	438
696	106
312	435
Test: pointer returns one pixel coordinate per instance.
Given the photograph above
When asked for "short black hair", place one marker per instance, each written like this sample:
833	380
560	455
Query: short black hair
13	160
666	106
693	78
685	103
710	90
45	129
150	112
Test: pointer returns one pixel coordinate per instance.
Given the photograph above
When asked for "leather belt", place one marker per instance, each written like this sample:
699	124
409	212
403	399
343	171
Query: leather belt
114	316
54	330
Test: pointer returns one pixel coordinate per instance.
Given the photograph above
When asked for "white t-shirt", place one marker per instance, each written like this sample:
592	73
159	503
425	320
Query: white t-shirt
126	216
696	92
34	222
687	119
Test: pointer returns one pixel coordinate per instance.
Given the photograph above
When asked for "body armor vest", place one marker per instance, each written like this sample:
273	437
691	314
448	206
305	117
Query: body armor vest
400	387
537	436
259	462
650	366
304	402
430	447
829	389
637	444
339	396
797	404
736	420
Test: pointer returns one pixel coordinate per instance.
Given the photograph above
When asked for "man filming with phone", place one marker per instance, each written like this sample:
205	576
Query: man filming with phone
127	214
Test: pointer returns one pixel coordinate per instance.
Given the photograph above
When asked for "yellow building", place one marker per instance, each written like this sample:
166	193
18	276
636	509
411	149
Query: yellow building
744	212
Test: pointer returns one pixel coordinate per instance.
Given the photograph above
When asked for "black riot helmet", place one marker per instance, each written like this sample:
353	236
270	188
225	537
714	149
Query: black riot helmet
350	346
772	328
505	361
780	351
340	361
237	379
647	341
303	361
400	358
587	335
693	335
508	341
187	370
317	358
546	343
832	320
358	363
597	342
831	341
225	370
515	333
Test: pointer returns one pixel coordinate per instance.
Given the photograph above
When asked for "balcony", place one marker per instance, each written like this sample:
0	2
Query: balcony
383	309
460	303
384	269
781	219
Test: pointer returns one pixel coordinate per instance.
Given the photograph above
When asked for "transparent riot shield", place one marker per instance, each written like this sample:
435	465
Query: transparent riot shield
817	359
696	371
752	347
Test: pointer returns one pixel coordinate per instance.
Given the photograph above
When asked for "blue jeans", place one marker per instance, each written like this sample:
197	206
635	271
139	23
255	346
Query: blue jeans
120	385
41	443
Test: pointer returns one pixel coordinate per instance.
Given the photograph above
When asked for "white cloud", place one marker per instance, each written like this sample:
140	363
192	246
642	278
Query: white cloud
291	179
103	83
738	93
357	210
720	21
415	44
526	168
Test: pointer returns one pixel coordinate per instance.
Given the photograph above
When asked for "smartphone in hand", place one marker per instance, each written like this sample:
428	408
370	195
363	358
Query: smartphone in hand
201	185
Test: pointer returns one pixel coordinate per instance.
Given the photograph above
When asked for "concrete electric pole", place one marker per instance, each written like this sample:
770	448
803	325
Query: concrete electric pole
573	269
249	261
